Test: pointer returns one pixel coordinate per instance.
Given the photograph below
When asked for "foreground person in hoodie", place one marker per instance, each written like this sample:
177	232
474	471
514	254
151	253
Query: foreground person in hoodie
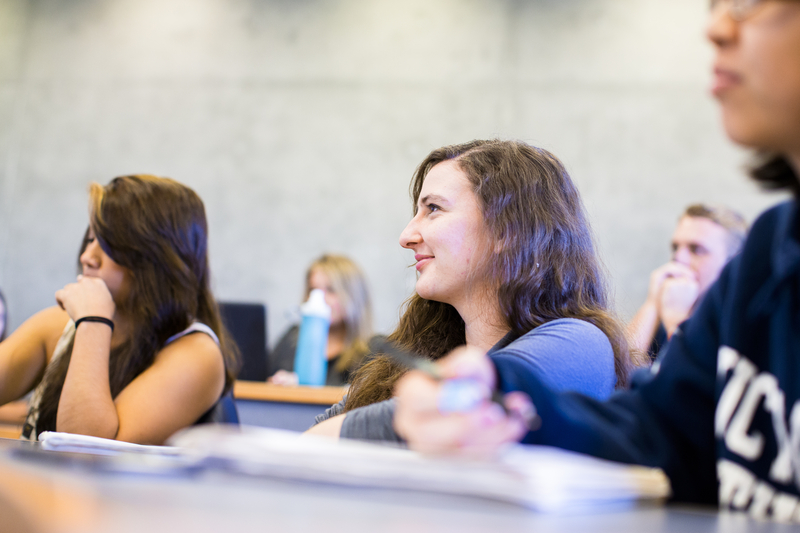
722	416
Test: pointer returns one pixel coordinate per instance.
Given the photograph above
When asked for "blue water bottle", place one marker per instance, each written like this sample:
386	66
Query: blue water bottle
310	359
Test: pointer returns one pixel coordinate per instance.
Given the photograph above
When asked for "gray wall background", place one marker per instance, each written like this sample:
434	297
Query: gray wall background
300	122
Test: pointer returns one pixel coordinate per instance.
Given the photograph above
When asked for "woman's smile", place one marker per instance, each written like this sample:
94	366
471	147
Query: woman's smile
422	260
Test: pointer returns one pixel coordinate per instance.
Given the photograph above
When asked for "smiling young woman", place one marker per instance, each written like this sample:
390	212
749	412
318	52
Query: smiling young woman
116	357
722	415
506	265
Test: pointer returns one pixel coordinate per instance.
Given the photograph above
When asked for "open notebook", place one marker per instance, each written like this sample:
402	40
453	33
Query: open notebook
538	477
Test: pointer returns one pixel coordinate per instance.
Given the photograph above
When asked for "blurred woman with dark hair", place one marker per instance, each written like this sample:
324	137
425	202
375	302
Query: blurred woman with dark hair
117	358
507	265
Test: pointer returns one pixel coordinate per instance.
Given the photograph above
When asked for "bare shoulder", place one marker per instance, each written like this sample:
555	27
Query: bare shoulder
52	318
196	341
24	355
49	318
45	328
197	351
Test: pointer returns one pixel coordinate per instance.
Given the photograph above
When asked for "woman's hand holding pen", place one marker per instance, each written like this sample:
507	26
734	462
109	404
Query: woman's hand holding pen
88	296
479	431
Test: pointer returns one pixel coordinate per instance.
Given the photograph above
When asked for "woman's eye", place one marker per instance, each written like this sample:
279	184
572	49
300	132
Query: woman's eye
433	208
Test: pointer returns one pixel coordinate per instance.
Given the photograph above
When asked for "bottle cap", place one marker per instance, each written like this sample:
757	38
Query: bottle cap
316	306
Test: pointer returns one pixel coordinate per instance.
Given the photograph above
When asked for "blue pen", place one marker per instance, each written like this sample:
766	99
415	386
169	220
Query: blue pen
461	395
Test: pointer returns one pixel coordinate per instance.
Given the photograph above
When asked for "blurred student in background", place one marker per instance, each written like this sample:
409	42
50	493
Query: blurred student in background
135	349
703	242
350	337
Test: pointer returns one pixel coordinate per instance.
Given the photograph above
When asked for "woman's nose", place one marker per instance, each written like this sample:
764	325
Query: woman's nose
410	235
89	257
721	27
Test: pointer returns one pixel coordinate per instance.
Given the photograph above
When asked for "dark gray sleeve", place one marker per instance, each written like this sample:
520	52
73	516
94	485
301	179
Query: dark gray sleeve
282	357
330	412
372	422
379	344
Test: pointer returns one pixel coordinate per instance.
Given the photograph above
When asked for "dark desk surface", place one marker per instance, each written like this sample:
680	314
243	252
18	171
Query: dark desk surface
43	495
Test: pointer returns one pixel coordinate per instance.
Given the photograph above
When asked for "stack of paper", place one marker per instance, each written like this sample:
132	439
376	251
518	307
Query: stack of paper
70	442
542	478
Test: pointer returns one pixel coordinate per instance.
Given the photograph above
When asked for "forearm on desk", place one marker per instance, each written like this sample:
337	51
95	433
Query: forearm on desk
331	427
86	405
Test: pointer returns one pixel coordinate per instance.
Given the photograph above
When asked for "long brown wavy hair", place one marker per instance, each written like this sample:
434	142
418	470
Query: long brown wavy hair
156	228
544	265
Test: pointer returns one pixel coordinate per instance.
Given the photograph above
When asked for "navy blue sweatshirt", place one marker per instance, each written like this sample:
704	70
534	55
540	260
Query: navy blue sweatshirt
722	416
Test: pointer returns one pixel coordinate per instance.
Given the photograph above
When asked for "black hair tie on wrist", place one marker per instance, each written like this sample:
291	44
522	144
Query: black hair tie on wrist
101	319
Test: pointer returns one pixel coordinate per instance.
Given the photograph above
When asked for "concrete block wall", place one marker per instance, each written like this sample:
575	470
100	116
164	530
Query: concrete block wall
300	123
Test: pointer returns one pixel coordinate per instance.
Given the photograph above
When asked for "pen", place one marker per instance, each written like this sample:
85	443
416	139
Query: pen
457	395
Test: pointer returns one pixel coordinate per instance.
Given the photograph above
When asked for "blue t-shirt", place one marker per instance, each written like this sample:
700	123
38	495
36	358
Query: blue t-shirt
567	354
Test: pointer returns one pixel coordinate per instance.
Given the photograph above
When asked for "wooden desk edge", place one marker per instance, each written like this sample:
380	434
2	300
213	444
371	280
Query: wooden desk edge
267	392
14	413
8	431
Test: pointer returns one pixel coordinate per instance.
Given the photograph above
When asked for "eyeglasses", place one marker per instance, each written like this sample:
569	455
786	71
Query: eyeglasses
737	9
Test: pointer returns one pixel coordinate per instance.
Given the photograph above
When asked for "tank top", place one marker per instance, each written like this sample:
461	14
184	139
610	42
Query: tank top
29	429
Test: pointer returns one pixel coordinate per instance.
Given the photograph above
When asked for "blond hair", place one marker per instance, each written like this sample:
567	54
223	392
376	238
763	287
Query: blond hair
731	221
350	286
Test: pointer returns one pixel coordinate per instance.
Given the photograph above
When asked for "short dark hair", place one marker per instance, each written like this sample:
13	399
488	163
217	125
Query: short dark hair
774	172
